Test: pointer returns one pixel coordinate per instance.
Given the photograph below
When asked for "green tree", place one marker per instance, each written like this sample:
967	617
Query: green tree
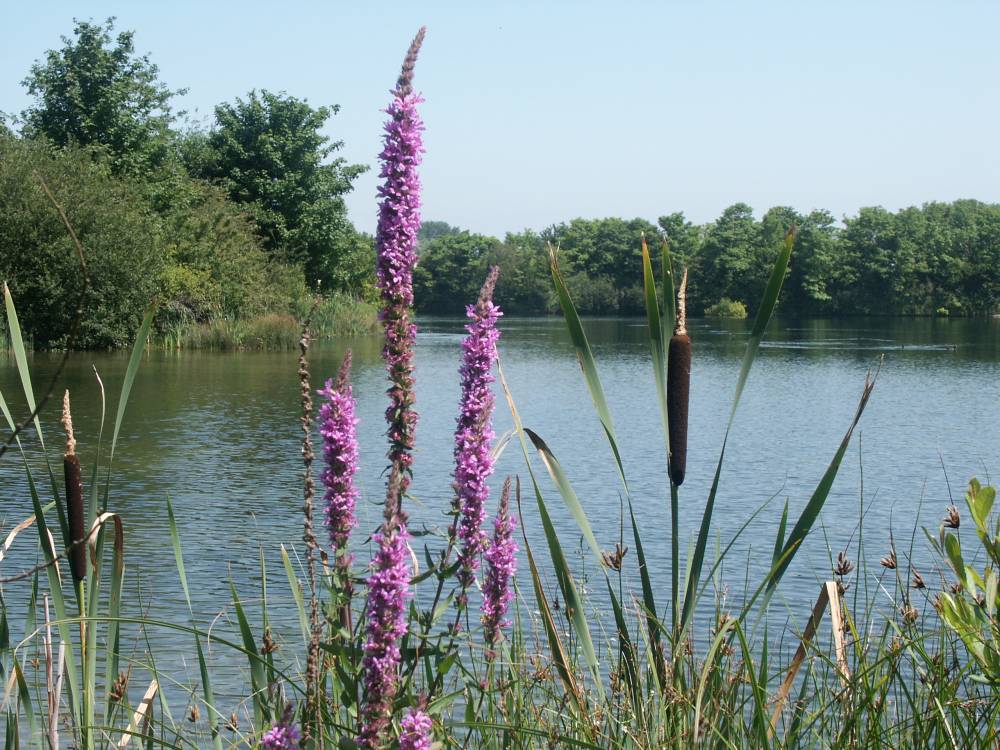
97	92
685	238
451	270
813	266
607	253
430	230
729	264
269	154
121	236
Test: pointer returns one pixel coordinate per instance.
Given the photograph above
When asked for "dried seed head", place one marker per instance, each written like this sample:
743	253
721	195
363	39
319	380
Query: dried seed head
918	581
193	714
844	566
67	423
909	614
268	646
956	587
613	560
952	520
404	86
889	561
118	688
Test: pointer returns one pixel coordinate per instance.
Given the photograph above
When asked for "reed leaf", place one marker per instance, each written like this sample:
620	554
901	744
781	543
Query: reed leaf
812	510
585	357
21	362
206	683
564	574
764	313
559	655
258	678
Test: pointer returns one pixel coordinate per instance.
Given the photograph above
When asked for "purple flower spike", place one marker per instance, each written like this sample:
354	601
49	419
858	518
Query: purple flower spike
340	449
416	733
388	589
282	736
473	460
396	246
501	559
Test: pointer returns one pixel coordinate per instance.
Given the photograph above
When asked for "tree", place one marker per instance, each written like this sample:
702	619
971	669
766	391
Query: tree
729	264
609	253
430	230
269	154
97	92
451	270
684	237
121	236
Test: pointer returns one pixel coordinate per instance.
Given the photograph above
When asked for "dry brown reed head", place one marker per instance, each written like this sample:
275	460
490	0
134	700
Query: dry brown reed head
614	559
952	520
909	613
889	561
918	581
844	566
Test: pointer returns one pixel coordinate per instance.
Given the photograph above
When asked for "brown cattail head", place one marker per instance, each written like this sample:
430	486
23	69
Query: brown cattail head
678	388
74	498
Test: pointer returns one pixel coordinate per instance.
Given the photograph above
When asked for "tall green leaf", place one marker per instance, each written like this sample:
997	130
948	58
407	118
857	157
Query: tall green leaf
764	313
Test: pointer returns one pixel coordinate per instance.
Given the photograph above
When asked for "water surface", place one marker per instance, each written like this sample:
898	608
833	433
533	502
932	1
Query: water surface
219	435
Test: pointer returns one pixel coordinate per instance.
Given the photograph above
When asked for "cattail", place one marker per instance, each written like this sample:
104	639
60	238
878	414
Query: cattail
678	388
74	498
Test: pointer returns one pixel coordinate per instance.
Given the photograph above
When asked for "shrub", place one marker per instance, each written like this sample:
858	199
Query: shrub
727	308
119	232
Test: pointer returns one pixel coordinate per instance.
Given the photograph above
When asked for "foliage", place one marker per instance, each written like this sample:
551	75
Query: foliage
97	92
970	609
269	154
727	308
121	235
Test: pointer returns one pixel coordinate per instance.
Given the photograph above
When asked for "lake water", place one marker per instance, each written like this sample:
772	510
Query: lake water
219	435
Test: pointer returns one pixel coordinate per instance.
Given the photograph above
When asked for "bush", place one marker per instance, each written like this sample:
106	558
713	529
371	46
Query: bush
727	308
119	232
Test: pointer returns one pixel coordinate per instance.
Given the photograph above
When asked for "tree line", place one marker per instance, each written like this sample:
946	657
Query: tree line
938	259
243	218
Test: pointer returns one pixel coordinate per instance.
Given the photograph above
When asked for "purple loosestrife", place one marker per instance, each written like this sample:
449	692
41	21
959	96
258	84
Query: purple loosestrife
416	733
388	589
501	559
282	736
396	245
474	433
340	450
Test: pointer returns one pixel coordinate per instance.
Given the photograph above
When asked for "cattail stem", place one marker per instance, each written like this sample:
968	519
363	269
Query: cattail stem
678	388
74	498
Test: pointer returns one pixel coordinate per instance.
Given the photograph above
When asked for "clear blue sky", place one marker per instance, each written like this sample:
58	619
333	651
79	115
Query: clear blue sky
541	112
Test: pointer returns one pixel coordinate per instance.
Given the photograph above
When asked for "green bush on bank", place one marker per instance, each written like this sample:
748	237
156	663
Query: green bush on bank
727	308
170	237
120	233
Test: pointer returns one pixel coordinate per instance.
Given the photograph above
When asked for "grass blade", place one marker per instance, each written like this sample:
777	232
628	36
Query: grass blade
764	313
585	357
564	575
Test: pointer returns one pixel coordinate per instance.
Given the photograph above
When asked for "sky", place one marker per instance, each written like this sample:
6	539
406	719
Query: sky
541	112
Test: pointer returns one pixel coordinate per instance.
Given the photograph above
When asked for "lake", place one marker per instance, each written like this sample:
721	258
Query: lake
219	435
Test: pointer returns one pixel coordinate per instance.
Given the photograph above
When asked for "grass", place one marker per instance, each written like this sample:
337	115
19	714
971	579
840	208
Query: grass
611	667
333	317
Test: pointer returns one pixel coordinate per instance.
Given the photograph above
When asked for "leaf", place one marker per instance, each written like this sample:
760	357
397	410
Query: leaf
585	357
764	312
